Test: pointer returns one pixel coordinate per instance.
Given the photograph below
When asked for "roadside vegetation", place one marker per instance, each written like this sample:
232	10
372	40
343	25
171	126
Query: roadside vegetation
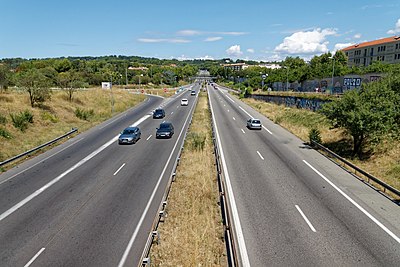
23	127
192	233
363	126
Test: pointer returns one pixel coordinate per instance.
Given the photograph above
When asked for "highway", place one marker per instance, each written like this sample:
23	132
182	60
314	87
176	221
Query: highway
90	201
294	207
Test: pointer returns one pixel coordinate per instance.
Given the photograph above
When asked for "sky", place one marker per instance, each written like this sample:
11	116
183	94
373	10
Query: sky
261	30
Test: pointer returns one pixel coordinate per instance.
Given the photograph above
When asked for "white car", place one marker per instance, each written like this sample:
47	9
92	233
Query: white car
254	124
184	102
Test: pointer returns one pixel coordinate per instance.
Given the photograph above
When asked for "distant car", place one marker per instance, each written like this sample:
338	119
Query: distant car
129	135
184	102
158	113
254	124
193	92
166	130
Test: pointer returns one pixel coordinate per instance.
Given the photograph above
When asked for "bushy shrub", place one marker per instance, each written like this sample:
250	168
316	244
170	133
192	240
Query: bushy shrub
3	119
196	141
5	133
315	135
21	120
28	116
49	117
84	114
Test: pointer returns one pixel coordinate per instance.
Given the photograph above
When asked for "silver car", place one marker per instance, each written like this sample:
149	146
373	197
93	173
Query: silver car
129	135
254	124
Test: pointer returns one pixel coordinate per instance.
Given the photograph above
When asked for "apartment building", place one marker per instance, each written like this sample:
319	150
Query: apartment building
386	50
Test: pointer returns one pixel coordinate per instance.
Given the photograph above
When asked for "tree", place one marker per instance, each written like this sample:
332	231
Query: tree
366	114
36	84
69	82
3	77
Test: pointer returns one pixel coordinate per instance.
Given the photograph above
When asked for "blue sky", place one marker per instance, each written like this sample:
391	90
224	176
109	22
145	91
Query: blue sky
258	30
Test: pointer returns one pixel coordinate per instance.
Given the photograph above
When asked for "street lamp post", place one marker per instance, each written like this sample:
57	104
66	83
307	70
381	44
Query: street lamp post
287	79
264	76
112	96
126	76
141	75
333	71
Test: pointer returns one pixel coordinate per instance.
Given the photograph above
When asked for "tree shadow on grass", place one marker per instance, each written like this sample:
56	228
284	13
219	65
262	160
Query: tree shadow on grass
344	148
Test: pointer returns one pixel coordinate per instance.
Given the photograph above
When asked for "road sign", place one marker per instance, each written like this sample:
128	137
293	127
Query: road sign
142	91
165	90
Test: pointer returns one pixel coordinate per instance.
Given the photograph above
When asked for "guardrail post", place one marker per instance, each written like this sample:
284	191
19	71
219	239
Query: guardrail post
146	262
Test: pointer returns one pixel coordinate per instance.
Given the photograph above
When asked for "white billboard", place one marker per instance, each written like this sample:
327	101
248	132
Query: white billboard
106	85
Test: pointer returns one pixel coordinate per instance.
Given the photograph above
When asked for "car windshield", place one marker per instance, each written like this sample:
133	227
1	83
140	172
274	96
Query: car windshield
164	126
158	111
128	131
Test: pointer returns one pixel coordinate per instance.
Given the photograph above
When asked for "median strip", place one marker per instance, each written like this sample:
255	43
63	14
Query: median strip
192	232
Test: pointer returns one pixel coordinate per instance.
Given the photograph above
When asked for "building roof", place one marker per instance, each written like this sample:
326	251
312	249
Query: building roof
233	64
372	43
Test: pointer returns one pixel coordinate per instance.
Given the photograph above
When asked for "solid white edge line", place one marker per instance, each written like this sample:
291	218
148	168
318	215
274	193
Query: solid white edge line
258	152
42	160
149	137
34	258
238	227
115	173
229	98
384	228
58	178
242	131
133	237
265	128
306	219
245	112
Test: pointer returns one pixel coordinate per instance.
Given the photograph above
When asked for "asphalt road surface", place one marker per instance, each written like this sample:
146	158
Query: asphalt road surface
90	201
294	206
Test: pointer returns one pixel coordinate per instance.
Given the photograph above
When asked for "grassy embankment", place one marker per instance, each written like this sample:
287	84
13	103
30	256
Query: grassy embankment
56	116
192	234
382	160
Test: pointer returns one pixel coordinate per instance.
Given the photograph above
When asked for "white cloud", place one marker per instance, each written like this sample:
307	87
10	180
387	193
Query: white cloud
357	36
188	33
340	46
205	57
396	29
306	42
250	50
234	50
212	39
154	40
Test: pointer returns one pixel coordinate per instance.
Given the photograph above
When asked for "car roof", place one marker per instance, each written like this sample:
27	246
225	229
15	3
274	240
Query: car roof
184	99
159	109
166	123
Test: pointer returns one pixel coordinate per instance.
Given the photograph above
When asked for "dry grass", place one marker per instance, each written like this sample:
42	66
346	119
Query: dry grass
192	234
383	163
57	116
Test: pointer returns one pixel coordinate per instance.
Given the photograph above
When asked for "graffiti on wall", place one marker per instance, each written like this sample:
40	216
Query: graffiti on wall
292	101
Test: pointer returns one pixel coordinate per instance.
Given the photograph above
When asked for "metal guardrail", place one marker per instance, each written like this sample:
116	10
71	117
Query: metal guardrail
366	174
37	148
230	236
